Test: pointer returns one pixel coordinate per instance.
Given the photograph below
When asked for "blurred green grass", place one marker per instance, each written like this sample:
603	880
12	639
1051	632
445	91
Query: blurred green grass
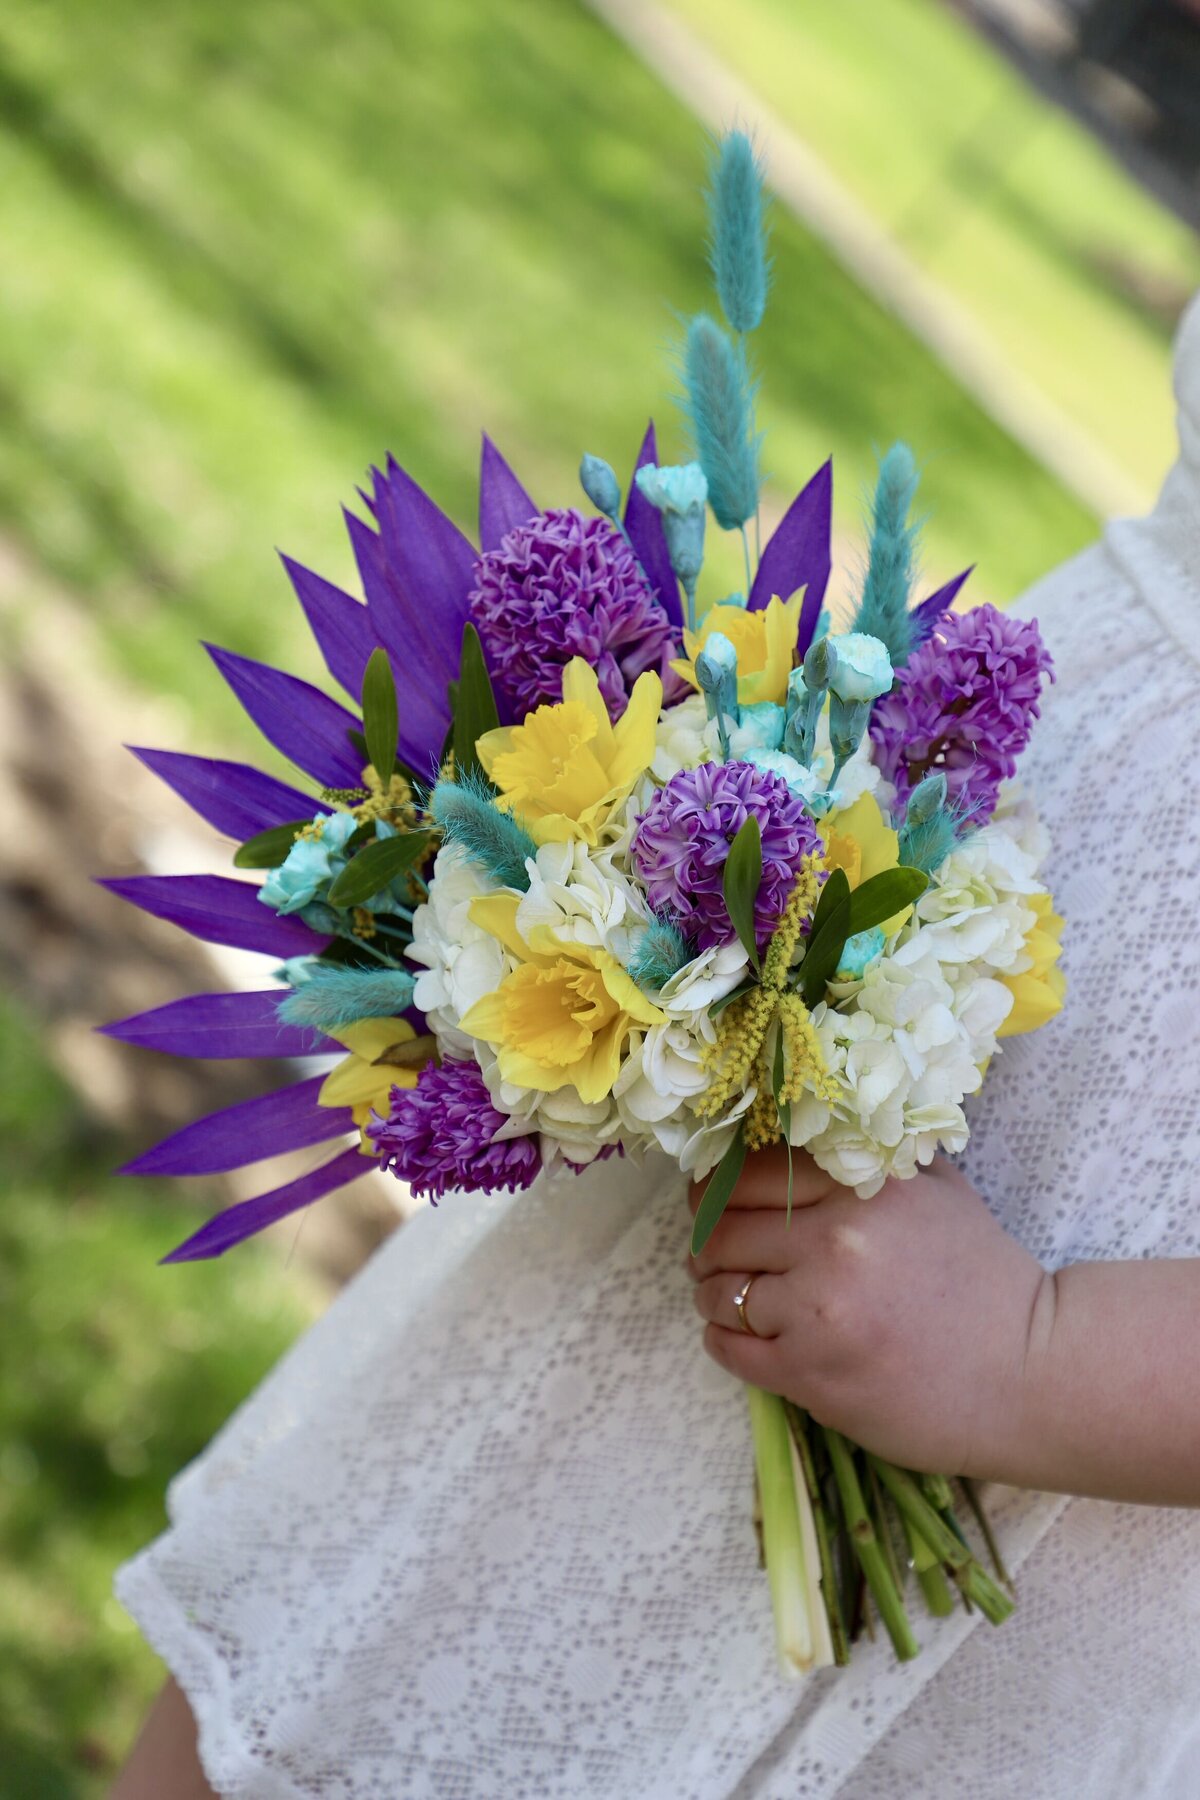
1009	203
114	1373
249	249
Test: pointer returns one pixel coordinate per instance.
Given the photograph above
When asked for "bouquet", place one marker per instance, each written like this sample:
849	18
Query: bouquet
599	865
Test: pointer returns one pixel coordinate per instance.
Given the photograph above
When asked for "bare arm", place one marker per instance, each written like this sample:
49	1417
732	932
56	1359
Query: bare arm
916	1325
164	1760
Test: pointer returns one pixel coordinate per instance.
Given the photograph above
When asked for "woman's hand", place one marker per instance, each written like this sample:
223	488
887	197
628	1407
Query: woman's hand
906	1321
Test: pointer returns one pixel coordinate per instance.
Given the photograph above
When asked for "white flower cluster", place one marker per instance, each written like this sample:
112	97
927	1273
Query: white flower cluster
913	1038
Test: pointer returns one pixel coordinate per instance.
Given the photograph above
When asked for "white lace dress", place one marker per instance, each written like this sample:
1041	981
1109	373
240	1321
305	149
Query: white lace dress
485	1532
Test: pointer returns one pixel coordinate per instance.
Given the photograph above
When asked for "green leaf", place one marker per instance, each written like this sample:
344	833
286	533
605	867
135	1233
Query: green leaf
884	896
743	872
269	848
721	1184
473	703
784	1110
375	866
743	987
381	716
831	928
360	743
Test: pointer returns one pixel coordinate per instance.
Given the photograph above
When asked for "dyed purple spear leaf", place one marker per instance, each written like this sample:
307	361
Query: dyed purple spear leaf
340	624
925	617
643	522
425	705
239	1222
429	564
218	910
221	1025
268	1125
306	725
798	555
503	502
230	796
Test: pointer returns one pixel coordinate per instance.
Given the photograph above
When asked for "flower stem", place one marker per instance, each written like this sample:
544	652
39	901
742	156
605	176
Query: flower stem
868	1549
783	1543
800	1424
932	1581
746	554
973	1579
985	1530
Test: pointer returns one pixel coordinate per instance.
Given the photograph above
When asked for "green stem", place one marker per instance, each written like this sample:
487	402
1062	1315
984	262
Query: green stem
746	554
879	1519
936	1490
800	1424
930	1577
985	1529
867	1548
783	1545
689	590
912	1505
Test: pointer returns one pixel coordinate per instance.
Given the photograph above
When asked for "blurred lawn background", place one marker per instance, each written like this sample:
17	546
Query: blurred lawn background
249	250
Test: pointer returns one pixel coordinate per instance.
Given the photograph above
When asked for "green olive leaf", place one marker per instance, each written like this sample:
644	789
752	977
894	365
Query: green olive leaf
721	1184
366	874
268	849
381	714
743	873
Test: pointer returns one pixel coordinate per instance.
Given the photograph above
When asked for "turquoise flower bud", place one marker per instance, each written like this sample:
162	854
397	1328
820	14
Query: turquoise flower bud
859	667
295	971
859	952
805	698
601	486
848	720
680	494
815	668
716	671
926	800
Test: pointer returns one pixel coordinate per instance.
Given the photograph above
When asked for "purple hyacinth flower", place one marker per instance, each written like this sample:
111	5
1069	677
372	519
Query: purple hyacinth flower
964	705
439	1136
683	839
561	586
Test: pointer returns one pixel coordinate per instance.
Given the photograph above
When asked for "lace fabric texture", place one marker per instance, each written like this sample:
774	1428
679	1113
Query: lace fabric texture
486	1530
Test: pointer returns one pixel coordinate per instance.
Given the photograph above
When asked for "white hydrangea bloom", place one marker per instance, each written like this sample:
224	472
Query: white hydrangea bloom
904	1056
976	913
462	962
585	897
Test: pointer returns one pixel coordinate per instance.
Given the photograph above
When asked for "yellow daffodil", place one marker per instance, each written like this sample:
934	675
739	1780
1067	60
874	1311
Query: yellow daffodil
859	840
765	642
1038	993
384	1053
566	768
562	1016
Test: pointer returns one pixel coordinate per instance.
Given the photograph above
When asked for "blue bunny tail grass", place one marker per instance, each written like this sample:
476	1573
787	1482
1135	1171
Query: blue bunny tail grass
719	407
468	815
926	845
737	240
883	609
331	997
661	952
